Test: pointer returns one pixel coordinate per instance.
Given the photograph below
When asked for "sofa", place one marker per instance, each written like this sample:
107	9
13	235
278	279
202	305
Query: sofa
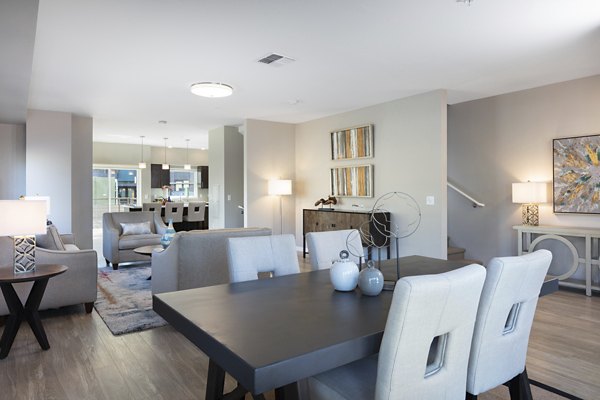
118	245
76	286
196	259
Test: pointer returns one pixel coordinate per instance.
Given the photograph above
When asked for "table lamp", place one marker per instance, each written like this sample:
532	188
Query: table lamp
280	187
22	219
530	194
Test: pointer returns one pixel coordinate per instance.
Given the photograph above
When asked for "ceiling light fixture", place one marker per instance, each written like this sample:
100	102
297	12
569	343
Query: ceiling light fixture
211	89
165	165
467	2
187	151
142	164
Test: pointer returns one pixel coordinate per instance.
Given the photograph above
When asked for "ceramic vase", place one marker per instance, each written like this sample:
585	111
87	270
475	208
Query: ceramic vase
167	237
370	280
344	273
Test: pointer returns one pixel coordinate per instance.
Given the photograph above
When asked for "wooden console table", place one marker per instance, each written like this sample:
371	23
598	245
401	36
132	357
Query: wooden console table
531	236
323	219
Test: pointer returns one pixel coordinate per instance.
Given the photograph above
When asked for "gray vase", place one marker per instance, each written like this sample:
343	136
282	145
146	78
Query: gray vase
370	280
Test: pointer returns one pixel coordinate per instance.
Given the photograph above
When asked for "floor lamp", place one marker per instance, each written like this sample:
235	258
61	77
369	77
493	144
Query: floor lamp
280	187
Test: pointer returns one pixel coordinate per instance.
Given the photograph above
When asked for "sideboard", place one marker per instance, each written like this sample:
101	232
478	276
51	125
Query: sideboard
530	236
324	219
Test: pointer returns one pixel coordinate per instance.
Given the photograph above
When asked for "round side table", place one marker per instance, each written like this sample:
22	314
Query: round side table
29	311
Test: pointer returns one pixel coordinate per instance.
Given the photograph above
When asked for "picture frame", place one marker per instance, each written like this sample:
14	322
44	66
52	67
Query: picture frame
576	175
352	143
352	181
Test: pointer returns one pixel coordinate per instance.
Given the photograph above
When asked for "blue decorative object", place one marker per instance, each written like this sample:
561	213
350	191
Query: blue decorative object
169	234
370	280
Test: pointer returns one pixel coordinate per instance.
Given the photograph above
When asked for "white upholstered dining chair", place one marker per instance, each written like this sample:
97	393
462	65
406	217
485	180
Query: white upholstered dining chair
195	212
325	247
154	207
425	348
504	320
174	212
248	256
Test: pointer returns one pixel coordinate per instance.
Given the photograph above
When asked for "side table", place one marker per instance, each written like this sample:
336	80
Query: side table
18	312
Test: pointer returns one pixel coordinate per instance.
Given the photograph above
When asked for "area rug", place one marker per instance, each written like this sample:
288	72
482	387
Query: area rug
125	299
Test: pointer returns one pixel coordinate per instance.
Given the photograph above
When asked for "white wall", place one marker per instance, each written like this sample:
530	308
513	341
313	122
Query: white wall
12	161
410	156
226	184
269	153
499	140
58	164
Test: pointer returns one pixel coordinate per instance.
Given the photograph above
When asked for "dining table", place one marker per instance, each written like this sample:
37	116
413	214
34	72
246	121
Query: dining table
268	334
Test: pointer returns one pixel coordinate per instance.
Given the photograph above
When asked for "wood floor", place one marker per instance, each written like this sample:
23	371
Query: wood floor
87	362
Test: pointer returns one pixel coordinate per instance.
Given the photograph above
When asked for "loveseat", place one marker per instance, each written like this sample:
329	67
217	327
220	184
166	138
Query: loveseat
76	286
118	245
196	259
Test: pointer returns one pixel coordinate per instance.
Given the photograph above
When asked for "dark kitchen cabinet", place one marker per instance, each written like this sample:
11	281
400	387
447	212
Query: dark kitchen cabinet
159	177
203	177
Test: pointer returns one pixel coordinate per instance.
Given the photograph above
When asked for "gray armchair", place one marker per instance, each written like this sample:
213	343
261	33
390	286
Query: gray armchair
117	247
76	286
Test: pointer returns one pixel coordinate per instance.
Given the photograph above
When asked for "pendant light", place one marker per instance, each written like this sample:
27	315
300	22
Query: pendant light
165	165
142	164
187	151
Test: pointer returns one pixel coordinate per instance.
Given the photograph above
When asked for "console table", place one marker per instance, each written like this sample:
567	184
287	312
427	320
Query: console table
530	236
324	219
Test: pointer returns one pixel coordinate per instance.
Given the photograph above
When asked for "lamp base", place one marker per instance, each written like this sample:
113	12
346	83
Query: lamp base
531	214
24	254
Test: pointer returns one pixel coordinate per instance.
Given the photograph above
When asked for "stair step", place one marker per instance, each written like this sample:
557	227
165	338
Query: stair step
456	253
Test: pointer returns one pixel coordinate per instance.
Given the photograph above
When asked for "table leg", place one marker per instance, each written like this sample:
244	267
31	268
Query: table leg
287	392
32	314
215	382
14	319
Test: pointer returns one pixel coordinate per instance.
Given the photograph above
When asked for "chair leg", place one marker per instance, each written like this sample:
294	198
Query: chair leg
107	262
89	307
470	396
115	266
519	387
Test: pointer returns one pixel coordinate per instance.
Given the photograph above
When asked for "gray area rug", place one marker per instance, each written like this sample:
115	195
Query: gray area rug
125	299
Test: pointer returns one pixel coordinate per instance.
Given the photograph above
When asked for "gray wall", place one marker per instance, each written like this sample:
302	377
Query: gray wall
226	177
269	153
499	140
58	164
12	161
410	156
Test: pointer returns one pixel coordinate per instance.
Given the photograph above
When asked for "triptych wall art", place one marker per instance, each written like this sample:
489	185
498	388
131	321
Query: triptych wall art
576	181
351	144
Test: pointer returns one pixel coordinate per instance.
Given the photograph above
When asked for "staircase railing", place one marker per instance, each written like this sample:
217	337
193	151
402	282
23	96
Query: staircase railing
463	194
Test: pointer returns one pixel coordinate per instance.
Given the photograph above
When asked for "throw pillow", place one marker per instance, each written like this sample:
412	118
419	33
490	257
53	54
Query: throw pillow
139	228
51	240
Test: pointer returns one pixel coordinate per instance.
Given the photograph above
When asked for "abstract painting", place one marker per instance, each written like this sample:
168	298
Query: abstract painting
352	143
355	181
577	175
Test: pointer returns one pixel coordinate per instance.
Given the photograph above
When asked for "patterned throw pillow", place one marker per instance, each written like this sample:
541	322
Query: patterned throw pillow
139	228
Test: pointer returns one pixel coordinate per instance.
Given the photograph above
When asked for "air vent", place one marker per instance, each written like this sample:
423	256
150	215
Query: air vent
276	60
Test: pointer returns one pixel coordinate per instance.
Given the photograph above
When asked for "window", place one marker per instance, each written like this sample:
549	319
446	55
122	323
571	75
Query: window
183	183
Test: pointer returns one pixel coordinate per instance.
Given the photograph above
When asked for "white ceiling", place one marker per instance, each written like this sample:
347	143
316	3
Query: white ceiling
130	63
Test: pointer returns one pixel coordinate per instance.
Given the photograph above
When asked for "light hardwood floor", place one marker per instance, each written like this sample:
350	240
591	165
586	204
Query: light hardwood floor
87	362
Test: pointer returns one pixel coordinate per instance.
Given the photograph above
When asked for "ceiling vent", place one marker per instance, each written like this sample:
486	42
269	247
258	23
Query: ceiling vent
276	60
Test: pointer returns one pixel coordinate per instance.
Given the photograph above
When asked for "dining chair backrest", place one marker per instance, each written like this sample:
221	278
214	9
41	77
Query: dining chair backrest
174	212
154	207
195	212
425	348
248	256
325	247
504	319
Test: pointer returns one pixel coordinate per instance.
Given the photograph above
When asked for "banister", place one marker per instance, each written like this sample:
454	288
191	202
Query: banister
457	190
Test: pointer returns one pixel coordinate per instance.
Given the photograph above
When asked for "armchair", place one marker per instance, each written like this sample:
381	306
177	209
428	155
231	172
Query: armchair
117	247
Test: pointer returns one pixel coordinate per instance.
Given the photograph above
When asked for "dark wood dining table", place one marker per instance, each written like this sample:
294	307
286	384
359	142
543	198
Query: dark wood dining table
270	333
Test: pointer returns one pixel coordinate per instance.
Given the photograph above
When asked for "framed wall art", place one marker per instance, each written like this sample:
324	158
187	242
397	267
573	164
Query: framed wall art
576	180
352	143
352	181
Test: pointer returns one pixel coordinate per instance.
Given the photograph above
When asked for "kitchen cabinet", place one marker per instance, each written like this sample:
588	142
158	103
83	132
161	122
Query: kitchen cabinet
203	176
159	177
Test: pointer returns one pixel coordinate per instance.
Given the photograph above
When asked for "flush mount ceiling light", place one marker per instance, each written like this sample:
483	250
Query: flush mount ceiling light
211	89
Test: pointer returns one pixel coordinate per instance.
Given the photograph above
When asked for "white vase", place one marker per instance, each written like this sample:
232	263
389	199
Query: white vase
344	273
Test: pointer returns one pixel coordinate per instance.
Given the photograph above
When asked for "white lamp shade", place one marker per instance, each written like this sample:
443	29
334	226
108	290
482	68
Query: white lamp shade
530	192
280	187
43	198
142	165
165	166
22	217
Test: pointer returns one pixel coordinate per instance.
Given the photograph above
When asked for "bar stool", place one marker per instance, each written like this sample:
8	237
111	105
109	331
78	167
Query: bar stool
195	213
174	212
154	207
